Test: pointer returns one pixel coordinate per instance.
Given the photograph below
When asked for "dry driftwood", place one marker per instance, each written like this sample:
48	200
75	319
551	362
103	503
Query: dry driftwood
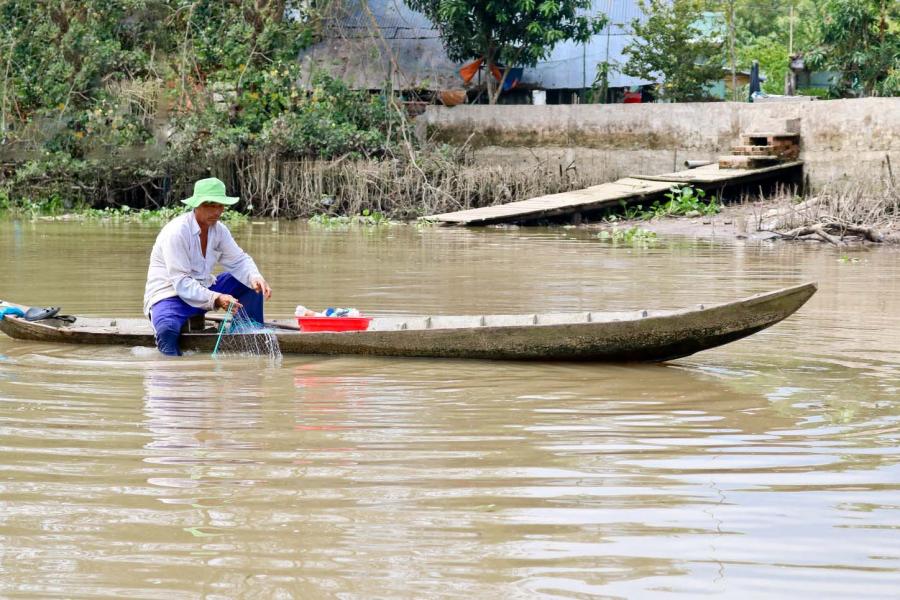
833	232
836	212
869	233
817	229
788	216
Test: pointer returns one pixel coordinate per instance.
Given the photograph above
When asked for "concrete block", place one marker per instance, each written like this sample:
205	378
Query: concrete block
746	162
842	140
753	150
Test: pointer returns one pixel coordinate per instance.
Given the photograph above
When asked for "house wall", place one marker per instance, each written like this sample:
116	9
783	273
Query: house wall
840	139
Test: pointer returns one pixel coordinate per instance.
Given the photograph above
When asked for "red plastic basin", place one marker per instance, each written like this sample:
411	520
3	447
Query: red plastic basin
333	323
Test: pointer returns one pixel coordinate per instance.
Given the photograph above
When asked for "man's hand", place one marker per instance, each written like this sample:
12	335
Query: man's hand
223	300
259	284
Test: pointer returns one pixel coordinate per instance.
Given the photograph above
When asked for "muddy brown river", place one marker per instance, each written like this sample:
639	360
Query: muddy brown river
768	468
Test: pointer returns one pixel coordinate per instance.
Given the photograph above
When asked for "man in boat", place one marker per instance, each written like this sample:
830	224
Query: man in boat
180	283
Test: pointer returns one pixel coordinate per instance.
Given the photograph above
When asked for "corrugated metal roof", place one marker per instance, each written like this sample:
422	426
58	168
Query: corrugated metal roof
574	66
395	19
351	51
620	13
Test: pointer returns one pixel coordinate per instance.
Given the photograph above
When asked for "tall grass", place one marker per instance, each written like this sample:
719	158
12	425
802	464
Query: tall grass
400	189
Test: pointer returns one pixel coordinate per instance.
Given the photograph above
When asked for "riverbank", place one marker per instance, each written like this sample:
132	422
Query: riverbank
839	215
734	222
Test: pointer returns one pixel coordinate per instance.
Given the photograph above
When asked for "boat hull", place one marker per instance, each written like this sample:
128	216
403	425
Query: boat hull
638	337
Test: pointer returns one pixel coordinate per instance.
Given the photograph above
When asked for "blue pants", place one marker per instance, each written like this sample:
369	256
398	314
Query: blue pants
170	315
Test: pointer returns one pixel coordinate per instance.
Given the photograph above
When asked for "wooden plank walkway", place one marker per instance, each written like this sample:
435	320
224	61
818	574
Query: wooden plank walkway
605	195
712	174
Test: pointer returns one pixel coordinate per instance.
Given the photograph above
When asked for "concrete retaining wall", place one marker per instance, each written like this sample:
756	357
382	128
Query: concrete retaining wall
840	139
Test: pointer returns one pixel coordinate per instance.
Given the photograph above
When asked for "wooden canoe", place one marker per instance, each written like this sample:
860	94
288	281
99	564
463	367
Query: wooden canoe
644	335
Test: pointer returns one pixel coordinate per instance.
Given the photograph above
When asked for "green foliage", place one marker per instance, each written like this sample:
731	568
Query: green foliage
764	29
599	89
125	214
510	33
670	43
686	200
373	217
634	212
57	52
860	39
756	19
817	92
890	85
54	207
366	219
46	206
772	54
332	121
241	37
681	201
329	221
54	179
633	236
85	83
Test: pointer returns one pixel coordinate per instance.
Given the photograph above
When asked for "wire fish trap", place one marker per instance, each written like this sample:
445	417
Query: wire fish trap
240	335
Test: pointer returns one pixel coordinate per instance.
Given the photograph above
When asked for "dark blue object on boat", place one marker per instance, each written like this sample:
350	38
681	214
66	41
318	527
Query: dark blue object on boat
36	314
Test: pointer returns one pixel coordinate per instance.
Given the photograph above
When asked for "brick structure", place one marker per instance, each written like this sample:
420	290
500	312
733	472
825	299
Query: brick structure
762	150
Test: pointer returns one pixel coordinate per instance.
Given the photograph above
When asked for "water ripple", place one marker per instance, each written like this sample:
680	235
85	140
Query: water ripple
765	469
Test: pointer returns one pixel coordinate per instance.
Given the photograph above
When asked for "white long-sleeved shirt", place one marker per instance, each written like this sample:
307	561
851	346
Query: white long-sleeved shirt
178	267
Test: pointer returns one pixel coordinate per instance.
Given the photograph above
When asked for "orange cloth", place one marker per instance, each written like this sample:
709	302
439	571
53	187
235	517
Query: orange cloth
467	72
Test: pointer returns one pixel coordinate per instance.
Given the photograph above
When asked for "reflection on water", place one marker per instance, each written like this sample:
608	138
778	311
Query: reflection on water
190	412
767	468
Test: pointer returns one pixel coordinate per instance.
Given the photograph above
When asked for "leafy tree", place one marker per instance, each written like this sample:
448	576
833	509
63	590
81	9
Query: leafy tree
764	30
508	32
56	56
772	55
670	44
82	84
861	40
772	18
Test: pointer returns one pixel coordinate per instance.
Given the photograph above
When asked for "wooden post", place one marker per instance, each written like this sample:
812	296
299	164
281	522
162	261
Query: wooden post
791	30
733	60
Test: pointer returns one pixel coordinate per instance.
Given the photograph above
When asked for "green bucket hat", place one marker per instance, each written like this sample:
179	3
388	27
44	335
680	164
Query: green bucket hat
209	190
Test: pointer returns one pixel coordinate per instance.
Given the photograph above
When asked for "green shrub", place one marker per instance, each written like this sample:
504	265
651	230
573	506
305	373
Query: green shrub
816	92
365	219
686	200
681	200
89	81
633	235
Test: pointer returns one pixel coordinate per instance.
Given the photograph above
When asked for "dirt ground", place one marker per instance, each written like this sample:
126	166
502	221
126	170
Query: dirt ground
734	222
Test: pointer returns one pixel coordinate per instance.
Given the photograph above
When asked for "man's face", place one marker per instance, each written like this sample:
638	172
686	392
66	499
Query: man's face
209	213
